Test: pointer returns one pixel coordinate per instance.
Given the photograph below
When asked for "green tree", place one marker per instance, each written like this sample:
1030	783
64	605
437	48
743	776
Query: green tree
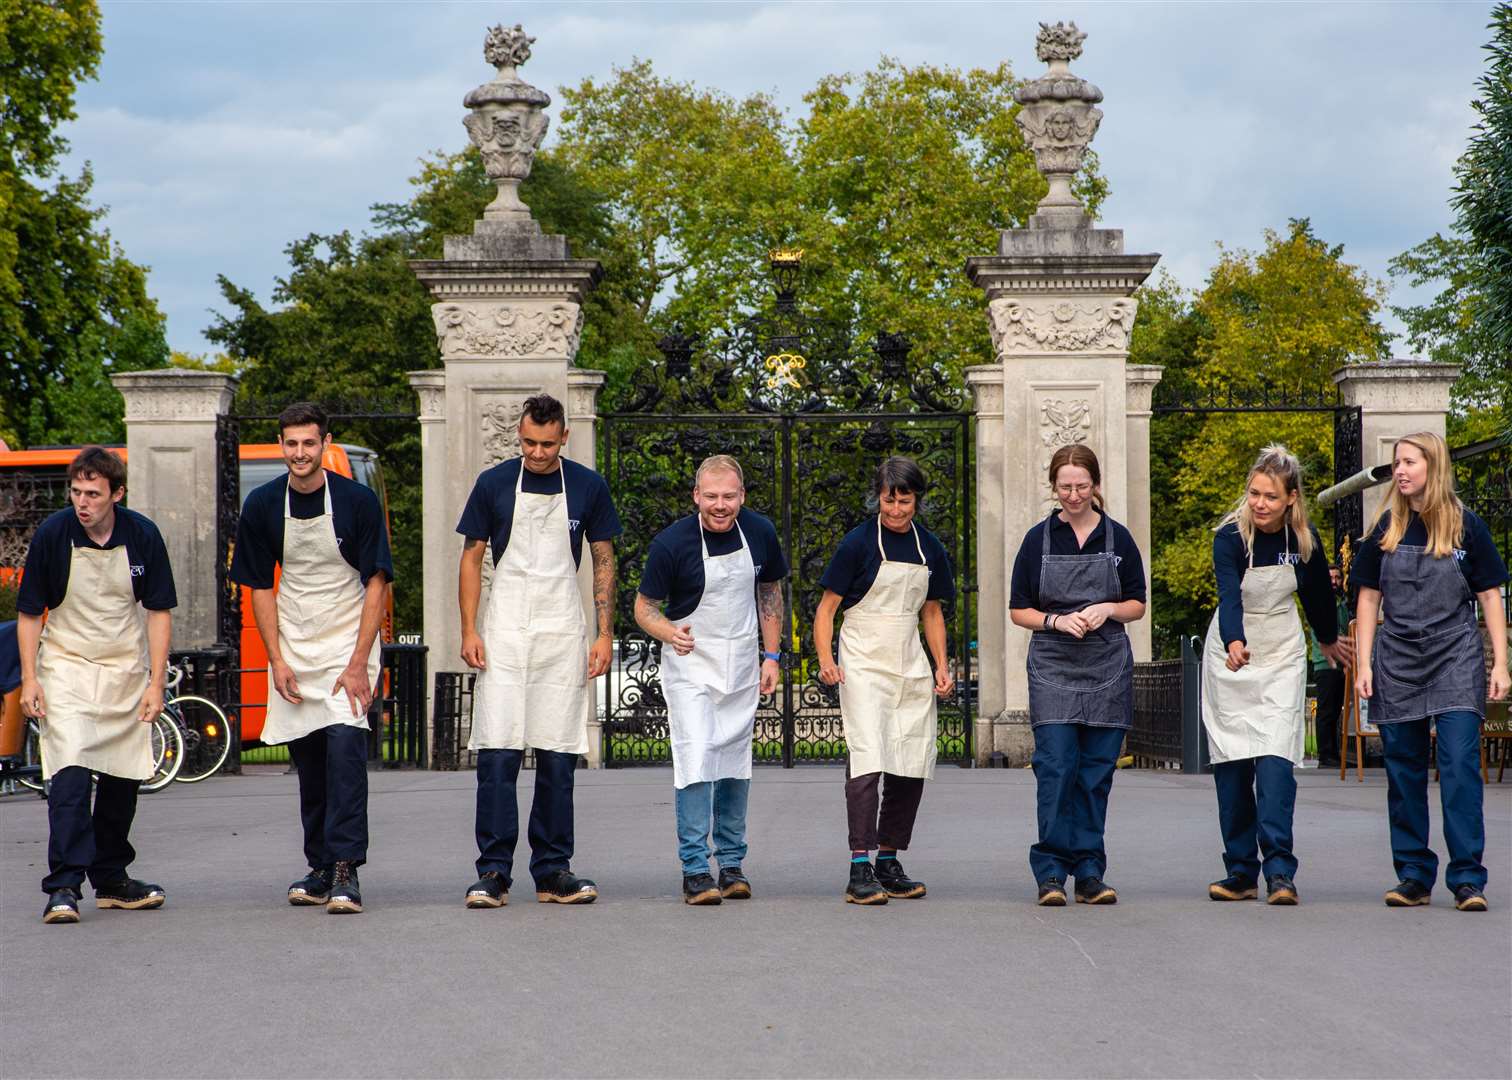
73	308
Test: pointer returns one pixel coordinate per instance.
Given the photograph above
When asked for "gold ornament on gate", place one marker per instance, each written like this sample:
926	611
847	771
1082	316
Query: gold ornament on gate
783	368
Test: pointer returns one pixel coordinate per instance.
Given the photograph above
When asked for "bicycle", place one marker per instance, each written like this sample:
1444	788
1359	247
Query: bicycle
167	756
205	730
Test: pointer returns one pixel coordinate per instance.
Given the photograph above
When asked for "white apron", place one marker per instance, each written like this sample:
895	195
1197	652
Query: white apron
712	693
535	690
1259	709
320	598
887	701
93	669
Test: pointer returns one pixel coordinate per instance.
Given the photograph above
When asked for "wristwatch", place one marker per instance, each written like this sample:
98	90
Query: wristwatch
777	656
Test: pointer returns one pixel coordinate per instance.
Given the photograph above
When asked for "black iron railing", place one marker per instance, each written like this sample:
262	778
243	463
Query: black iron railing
1167	730
453	703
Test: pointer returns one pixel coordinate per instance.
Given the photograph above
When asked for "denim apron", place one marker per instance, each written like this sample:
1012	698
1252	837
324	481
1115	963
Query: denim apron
1429	657
1090	680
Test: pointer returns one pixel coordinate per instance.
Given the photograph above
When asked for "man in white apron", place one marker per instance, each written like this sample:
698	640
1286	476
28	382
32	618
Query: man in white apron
534	689
326	535
93	677
719	572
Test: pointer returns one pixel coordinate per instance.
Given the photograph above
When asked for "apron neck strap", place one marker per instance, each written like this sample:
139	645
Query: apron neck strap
912	527
325	487
703	544
520	480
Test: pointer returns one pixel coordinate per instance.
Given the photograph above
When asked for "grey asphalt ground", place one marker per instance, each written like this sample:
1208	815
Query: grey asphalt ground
229	980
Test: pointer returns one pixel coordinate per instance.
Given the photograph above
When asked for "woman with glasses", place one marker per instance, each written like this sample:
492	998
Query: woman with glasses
1077	580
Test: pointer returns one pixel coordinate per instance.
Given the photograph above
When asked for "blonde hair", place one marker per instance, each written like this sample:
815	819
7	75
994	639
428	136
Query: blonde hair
1082	456
1443	514
716	463
1282	466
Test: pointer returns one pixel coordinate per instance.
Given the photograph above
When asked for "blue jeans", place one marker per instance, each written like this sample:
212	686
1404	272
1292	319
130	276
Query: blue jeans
333	794
1256	800
1073	773
81	841
497	821
722	803
1405	746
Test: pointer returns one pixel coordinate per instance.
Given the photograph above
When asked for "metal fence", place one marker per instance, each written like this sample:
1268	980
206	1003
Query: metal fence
1167	730
1483	478
453	714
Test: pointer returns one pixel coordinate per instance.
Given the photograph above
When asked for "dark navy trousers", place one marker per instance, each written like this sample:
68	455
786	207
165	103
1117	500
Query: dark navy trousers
333	793
1073	773
1405	746
1256	800
498	818
83	842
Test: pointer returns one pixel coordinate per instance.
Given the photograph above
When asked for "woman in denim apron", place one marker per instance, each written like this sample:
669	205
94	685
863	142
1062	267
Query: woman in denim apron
1423	563
1081	673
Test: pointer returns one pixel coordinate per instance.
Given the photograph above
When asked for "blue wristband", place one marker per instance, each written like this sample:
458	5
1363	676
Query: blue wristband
777	656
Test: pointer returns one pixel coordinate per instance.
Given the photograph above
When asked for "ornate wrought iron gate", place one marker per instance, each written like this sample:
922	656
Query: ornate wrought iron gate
809	417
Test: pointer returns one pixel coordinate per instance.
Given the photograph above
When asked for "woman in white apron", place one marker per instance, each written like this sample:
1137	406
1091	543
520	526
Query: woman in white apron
1254	672
887	684
1423	564
1077	579
714	669
534	690
92	684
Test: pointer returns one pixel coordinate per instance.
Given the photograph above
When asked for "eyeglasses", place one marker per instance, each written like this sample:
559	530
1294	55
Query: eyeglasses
1073	489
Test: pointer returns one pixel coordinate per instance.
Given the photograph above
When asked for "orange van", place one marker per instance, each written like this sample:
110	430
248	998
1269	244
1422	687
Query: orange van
39	476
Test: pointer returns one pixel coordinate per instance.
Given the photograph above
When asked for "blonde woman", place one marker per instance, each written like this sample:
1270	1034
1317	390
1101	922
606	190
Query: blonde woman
1254	672
1422	564
1077	579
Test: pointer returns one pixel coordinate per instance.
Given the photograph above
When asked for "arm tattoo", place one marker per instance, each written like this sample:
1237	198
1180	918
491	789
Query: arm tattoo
769	599
470	543
603	585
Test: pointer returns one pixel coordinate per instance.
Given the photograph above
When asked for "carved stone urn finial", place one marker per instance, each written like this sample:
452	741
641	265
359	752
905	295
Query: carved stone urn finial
1058	119
506	123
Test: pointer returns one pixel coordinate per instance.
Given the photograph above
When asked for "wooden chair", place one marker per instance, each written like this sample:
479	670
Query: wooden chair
1349	723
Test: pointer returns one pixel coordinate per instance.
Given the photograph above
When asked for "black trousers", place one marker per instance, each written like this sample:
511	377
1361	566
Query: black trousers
498	814
881	812
81	842
333	791
1330	686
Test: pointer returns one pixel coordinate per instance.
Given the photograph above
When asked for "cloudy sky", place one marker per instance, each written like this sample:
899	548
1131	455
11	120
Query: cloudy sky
221	131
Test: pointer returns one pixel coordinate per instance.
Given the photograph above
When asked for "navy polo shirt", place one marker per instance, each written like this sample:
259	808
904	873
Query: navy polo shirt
674	562
1478	558
356	517
853	568
1023	589
1231	561
44	582
489	513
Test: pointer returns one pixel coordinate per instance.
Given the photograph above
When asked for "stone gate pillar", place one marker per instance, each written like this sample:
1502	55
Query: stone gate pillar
170	464
1395	398
508	312
1060	310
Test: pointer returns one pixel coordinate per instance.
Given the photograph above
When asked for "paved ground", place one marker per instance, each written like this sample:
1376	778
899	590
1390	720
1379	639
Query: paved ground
228	980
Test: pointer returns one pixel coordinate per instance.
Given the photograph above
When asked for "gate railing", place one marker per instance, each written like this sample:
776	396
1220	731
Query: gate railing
1167	729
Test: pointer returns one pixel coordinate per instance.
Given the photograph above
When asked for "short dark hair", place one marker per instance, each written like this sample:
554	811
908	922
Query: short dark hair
93	461
543	409
897	474
301	413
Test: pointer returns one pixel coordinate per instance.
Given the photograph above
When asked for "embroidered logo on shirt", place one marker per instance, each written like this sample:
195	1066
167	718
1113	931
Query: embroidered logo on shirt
1286	558
137	571
572	524
1459	554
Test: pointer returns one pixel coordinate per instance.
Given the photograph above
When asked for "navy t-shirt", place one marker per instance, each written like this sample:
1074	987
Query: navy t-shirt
1230	561
853	568
44	582
1479	560
357	518
674	562
489	513
1023	590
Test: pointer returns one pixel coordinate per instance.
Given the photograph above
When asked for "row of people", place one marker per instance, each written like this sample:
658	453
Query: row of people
711	593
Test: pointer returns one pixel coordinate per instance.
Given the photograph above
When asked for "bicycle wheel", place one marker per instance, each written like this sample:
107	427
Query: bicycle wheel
207	737
167	751
31	754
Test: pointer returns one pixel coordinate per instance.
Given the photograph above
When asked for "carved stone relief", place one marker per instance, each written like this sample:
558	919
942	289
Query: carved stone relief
499	425
1064	415
507	329
1066	325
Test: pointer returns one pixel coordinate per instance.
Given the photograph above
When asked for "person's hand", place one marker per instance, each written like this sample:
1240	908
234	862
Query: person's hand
1340	653
1499	682
682	639
1074	624
831	673
33	703
599	654
472	650
1364	684
1238	656
1095	615
944	681
284	682
769	673
354	680
152	703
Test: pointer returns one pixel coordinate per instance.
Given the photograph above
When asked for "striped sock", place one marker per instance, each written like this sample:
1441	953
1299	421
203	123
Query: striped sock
887	853
860	856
